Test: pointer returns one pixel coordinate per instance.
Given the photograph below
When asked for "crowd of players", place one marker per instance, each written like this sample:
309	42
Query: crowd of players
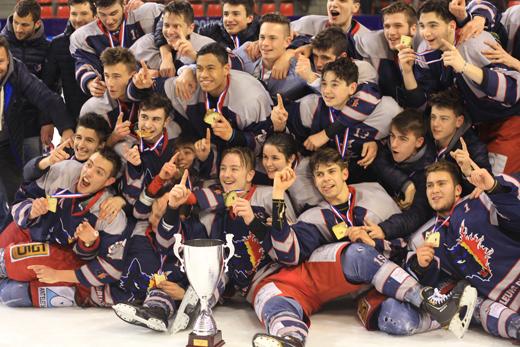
380	164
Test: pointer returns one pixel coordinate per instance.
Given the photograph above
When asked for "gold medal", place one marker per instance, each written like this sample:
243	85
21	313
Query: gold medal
155	280
143	134
159	278
406	40
340	230
52	204
211	116
230	198
434	237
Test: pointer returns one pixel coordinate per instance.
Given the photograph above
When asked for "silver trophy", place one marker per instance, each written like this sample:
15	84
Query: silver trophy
204	264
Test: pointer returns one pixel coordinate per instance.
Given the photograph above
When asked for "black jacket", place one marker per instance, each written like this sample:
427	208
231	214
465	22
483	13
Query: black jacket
20	86
217	32
32	52
395	178
59	73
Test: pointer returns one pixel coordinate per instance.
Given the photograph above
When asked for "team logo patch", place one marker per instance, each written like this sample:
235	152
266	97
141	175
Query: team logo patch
471	255
29	250
49	297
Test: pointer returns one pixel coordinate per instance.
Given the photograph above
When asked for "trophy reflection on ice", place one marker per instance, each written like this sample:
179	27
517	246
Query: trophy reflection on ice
204	264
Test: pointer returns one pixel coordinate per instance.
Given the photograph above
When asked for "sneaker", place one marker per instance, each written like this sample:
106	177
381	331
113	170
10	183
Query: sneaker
188	311
266	340
453	310
152	318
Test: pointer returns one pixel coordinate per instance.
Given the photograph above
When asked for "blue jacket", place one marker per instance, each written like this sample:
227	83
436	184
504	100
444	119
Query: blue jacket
21	86
32	52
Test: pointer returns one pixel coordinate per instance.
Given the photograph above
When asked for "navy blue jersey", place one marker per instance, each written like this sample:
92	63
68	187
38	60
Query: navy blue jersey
104	257
88	42
477	244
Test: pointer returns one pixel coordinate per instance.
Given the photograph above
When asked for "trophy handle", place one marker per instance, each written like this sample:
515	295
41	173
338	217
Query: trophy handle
176	247
229	244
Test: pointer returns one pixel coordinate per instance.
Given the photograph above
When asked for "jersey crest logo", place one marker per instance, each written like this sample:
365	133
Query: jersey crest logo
135	280
254	249
471	255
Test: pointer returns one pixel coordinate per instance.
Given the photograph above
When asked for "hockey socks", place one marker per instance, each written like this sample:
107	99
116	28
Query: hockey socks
284	317
157	298
497	319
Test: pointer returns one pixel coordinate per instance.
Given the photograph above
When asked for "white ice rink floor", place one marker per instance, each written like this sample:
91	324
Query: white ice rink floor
335	326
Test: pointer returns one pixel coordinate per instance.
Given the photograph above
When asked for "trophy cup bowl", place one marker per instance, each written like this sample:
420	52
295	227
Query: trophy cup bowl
204	264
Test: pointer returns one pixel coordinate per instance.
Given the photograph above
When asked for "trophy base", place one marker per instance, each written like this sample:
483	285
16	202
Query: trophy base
205	341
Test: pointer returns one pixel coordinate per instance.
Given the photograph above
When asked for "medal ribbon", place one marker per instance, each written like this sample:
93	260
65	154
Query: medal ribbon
122	30
236	41
150	148
221	98
342	146
347	218
445	222
62	195
163	258
440	153
91	203
429	61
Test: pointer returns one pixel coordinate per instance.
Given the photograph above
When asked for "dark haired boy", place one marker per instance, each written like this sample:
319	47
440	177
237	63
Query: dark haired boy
59	71
239	24
448	244
347	116
91	135
273	40
399	167
452	132
347	258
61	212
380	47
119	65
489	90
232	104
329	45
113	28
181	42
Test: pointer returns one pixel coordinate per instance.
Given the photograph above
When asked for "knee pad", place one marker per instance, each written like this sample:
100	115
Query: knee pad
398	318
15	294
360	262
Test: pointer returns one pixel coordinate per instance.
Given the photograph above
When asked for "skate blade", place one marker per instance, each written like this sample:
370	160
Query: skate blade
182	320
457	325
129	315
